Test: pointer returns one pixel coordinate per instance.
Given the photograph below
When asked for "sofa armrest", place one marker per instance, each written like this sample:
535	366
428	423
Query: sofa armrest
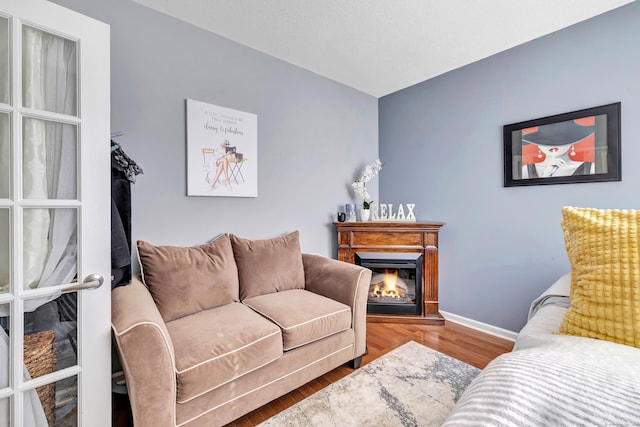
343	282
146	354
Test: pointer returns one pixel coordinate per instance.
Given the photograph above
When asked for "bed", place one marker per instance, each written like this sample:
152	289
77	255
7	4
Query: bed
554	380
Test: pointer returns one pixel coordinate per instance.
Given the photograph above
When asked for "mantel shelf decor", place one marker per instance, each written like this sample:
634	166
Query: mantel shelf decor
360	188
388	212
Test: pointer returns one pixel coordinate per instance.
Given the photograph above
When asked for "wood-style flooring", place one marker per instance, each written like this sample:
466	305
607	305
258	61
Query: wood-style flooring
468	345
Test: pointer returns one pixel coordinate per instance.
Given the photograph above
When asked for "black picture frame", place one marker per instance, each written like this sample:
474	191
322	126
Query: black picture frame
575	147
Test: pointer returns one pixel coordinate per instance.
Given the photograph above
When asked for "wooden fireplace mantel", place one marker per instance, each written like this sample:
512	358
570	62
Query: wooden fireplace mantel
398	237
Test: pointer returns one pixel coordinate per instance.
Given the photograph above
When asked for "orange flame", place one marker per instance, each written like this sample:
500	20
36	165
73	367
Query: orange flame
388	287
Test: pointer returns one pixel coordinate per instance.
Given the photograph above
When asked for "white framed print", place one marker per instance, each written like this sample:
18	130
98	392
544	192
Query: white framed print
222	151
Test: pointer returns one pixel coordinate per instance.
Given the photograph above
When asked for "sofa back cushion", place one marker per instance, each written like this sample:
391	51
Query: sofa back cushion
186	280
269	265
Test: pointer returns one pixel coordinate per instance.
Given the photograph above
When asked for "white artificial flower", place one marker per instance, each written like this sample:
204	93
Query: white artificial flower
360	184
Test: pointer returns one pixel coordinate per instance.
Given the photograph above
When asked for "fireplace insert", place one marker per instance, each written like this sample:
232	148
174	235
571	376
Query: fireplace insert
396	282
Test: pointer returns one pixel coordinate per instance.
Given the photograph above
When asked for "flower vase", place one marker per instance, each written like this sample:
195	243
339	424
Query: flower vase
364	214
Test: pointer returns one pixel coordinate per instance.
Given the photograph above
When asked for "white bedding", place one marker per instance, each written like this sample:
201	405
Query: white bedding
551	379
551	387
557	294
546	314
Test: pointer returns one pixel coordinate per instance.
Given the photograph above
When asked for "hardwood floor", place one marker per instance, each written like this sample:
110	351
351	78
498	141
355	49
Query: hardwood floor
468	345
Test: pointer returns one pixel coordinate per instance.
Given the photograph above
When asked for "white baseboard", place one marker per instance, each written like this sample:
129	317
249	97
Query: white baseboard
479	326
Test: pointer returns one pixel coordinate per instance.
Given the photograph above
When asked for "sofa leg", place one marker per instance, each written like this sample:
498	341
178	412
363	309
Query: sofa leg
355	363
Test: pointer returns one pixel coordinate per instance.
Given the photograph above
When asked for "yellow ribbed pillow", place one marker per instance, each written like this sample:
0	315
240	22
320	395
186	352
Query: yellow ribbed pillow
604	250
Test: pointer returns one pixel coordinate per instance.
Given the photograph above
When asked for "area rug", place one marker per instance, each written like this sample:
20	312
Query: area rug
412	385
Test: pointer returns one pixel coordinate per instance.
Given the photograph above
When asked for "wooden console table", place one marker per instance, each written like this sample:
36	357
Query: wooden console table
398	237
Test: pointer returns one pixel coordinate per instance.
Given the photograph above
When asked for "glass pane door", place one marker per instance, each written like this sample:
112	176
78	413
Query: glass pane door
49	71
52	228
48	236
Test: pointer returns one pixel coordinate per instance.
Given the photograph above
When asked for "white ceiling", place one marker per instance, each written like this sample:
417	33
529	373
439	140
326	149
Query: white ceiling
381	46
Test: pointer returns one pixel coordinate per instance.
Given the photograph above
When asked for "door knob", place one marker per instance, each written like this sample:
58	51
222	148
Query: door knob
92	281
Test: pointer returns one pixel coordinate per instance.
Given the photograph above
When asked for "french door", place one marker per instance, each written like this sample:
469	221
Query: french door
55	339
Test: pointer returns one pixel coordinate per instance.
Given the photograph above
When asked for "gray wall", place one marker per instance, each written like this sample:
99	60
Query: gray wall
441	141
314	135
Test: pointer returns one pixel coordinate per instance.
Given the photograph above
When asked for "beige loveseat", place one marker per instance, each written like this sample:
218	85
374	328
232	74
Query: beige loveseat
218	330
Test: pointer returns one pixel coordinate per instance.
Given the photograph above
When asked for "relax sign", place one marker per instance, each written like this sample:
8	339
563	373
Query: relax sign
387	212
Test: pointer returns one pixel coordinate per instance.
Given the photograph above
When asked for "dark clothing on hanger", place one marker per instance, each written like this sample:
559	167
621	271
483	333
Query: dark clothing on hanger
123	173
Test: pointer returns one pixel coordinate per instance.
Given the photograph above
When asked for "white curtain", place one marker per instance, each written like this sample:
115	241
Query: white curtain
49	159
4	60
5	154
4	193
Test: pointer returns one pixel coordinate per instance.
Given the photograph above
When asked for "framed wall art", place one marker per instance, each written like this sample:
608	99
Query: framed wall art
580	146
222	151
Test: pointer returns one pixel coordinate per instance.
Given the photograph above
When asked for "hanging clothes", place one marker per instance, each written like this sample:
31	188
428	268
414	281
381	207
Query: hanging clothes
123	174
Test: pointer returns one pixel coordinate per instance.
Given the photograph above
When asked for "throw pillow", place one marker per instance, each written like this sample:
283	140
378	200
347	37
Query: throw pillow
187	280
269	265
604	250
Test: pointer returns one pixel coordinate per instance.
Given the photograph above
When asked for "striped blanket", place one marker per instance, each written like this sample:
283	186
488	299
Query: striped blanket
555	385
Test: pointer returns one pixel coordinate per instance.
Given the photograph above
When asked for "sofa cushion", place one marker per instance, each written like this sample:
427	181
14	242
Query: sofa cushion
186	280
215	346
302	316
604	250
269	265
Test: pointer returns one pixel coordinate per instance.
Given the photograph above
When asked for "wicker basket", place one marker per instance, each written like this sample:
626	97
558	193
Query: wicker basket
40	359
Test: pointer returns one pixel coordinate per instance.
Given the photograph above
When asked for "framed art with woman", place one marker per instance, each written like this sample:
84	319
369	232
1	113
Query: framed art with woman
580	146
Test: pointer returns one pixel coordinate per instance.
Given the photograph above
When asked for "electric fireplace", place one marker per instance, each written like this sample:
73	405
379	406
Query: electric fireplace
404	252
396	282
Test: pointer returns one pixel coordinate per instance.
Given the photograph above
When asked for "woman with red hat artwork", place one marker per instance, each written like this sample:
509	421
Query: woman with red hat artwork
559	149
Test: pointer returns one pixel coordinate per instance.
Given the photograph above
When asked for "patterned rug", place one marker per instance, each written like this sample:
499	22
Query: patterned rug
412	385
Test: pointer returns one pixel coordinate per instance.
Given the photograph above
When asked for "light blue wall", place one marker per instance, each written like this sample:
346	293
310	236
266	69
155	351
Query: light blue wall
441	141
314	135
